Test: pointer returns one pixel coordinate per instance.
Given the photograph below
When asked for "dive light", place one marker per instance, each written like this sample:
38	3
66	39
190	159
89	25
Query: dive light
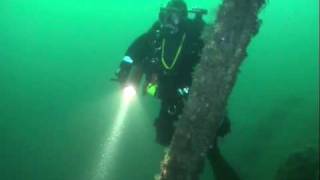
129	92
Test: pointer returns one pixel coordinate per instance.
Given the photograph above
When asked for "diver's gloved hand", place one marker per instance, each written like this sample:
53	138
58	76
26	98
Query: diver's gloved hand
119	76
119	79
122	74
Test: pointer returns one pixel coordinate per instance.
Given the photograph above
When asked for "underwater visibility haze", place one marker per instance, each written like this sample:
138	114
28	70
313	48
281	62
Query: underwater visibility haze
61	118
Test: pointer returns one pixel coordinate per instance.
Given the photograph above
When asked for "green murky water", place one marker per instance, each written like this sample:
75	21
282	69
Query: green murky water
58	107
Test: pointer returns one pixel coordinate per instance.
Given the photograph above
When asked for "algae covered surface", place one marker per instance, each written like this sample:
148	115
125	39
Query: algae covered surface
58	108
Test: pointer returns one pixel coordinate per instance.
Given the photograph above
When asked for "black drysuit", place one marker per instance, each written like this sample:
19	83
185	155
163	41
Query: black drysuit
151	53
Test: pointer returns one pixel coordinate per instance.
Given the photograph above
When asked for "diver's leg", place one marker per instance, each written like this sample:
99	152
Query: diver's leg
164	125
221	168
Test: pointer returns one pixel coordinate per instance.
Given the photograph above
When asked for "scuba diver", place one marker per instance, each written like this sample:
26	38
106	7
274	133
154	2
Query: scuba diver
166	55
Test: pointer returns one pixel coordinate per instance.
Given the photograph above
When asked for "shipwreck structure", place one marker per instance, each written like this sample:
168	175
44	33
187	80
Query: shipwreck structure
236	24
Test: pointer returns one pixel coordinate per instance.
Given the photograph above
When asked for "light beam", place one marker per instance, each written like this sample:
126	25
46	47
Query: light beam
110	146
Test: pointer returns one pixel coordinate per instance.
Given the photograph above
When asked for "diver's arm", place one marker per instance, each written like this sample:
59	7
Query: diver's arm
124	69
133	57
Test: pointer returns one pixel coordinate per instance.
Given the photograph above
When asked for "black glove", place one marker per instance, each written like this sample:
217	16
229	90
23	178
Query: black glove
122	74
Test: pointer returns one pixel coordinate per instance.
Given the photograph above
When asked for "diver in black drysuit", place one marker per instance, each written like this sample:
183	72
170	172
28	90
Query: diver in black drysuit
166	55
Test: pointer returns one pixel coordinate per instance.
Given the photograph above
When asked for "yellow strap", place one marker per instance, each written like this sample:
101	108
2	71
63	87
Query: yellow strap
176	56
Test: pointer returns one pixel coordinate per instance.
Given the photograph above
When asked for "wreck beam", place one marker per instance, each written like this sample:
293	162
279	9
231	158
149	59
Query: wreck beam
214	77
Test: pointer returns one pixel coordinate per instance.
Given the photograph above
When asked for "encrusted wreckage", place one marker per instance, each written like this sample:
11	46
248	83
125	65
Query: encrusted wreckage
236	24
303	164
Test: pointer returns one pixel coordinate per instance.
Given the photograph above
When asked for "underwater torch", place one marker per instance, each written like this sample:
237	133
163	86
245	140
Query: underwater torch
129	76
132	83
